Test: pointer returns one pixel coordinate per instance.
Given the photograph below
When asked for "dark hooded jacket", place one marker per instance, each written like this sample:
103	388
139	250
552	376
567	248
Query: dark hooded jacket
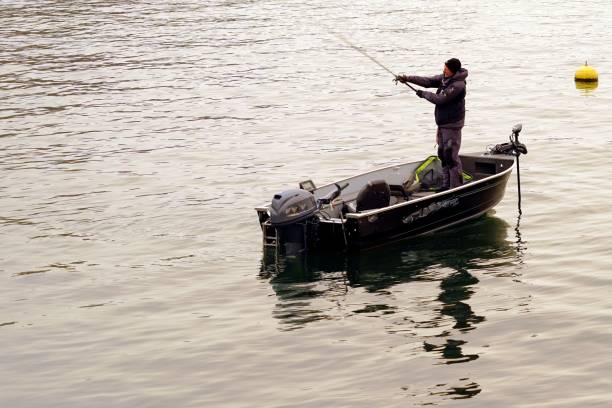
449	98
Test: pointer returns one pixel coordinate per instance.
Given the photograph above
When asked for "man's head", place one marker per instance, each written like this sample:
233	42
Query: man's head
451	67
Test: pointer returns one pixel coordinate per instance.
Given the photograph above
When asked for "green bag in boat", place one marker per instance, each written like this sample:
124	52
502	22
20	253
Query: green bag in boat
428	176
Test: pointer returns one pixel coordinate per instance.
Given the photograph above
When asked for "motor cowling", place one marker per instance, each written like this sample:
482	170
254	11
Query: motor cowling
292	214
291	206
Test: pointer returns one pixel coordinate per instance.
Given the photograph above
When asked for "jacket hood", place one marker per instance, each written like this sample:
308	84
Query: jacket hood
460	75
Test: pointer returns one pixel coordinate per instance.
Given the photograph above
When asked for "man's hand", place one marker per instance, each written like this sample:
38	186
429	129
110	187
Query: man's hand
419	93
401	78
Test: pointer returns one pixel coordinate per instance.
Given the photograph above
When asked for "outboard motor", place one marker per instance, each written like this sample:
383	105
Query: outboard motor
292	214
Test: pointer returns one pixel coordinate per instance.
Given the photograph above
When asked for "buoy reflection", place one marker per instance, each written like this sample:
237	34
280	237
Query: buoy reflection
586	87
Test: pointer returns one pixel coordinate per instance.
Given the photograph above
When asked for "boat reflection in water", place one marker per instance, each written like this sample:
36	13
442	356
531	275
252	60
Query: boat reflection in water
320	287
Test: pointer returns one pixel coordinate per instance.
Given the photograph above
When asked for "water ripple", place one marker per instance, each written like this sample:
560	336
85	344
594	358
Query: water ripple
137	138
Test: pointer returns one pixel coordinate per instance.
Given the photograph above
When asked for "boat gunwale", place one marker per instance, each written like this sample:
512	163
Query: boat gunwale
436	195
416	200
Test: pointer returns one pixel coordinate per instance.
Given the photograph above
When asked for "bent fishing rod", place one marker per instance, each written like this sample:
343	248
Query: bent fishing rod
365	54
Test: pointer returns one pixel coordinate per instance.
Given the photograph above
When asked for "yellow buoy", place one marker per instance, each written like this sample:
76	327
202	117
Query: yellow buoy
586	73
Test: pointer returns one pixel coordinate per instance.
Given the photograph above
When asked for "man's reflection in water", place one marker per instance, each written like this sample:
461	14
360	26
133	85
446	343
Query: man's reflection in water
480	245
456	291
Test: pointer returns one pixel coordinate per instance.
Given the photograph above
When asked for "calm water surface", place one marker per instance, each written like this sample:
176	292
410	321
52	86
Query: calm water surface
136	138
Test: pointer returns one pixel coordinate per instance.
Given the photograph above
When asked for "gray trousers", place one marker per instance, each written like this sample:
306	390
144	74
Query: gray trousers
449	142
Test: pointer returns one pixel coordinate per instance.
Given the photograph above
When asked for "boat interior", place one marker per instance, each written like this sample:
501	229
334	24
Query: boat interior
396	184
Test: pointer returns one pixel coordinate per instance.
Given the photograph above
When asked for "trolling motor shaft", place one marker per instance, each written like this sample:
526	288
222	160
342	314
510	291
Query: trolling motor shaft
514	148
518	148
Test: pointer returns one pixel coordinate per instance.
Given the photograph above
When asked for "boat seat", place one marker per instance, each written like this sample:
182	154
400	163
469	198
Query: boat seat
375	194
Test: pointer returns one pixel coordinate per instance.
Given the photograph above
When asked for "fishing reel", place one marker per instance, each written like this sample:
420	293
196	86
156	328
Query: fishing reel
399	78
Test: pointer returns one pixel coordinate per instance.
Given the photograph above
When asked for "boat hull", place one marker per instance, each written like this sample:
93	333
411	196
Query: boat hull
422	213
425	215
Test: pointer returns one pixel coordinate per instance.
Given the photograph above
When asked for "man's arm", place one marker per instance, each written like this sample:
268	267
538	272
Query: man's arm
445	96
425	82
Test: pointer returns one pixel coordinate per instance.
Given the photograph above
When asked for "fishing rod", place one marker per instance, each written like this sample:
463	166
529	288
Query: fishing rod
365	54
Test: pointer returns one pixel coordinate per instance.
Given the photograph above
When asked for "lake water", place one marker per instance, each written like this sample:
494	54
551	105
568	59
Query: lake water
137	137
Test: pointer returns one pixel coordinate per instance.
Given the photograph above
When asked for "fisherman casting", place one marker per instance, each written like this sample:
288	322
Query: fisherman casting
299	220
449	113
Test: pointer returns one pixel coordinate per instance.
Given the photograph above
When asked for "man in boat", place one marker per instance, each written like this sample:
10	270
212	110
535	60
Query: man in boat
449	113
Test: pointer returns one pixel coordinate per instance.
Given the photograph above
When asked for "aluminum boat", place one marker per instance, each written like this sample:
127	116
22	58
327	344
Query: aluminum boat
388	204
